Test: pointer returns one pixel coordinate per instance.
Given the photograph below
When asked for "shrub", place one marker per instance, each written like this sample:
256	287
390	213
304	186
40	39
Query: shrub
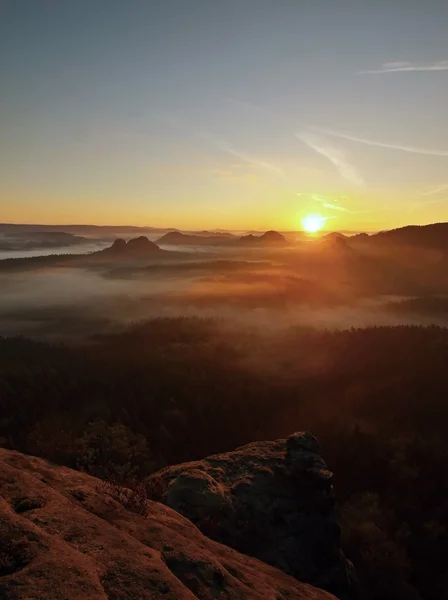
112	452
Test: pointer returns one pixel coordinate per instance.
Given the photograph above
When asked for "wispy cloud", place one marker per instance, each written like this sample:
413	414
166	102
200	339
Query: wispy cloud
398	67
218	142
437	190
424	204
402	147
331	202
336	156
244	157
432	196
335	207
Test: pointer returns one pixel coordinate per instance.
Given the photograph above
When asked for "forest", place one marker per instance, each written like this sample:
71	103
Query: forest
168	390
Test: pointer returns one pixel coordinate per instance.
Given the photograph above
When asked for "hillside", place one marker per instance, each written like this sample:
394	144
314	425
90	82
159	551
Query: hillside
32	240
64	536
434	236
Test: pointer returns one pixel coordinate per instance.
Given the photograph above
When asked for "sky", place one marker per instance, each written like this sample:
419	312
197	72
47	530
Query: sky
238	114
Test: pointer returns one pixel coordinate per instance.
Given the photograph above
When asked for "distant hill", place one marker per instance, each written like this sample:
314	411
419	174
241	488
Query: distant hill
269	238
138	247
206	233
36	240
176	238
334	235
205	238
434	236
91	230
331	240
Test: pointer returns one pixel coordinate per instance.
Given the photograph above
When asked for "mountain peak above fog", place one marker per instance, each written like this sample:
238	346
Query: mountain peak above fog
135	247
269	237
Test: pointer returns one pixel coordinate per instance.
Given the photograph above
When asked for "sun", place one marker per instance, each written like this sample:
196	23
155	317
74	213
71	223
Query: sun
313	223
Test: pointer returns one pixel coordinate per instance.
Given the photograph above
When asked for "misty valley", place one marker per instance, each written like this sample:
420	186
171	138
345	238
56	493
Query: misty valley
332	281
158	348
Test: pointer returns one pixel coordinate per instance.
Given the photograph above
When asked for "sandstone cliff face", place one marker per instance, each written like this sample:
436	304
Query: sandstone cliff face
63	537
272	500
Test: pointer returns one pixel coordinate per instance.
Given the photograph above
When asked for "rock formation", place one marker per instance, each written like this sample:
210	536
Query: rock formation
271	500
64	536
136	247
270	238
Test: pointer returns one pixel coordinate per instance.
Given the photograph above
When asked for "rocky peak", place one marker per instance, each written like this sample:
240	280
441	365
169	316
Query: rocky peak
273	236
271	500
139	246
119	245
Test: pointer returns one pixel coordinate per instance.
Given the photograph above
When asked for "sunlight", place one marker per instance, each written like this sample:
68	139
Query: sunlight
313	223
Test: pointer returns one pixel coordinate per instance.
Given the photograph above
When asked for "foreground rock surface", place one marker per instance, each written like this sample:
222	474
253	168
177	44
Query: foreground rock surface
272	500
63	537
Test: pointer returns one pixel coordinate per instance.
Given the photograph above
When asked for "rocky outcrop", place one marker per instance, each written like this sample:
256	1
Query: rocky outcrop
118	246
136	247
272	500
65	536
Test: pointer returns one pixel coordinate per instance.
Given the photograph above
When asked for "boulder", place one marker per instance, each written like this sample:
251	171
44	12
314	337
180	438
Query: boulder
67	536
271	500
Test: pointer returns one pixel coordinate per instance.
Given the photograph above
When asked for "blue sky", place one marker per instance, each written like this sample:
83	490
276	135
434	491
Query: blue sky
239	114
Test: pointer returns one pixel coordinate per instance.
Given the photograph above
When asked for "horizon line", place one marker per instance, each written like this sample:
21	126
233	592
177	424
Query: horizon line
214	229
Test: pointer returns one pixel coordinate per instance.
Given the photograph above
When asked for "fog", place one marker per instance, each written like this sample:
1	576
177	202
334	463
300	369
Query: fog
268	289
86	248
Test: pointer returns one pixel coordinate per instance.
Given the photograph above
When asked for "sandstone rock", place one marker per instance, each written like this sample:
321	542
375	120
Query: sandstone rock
271	500
141	245
63	536
136	247
119	245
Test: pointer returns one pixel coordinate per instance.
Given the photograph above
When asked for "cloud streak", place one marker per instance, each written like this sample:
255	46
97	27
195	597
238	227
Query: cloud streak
229	149
336	156
437	190
402	147
405	66
332	204
216	141
335	207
